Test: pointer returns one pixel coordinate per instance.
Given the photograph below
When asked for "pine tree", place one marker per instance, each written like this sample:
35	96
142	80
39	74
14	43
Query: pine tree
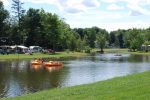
18	11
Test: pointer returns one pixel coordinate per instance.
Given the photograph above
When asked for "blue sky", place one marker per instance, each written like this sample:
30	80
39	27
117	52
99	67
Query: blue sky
107	14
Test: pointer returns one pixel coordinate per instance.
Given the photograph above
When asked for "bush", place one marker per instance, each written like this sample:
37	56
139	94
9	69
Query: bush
87	49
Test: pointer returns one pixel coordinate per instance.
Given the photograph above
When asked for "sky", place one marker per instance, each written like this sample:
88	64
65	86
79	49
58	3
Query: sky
107	14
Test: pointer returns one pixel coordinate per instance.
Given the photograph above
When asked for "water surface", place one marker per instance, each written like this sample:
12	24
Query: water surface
19	77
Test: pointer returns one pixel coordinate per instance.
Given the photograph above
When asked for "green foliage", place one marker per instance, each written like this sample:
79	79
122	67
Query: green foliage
87	49
88	35
146	34
134	44
32	24
134	39
80	45
147	43
117	38
101	41
3	20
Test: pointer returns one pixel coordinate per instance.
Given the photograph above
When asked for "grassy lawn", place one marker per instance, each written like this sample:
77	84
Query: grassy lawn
131	87
40	55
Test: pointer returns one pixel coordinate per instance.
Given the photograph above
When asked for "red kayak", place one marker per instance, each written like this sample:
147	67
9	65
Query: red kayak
36	62
52	63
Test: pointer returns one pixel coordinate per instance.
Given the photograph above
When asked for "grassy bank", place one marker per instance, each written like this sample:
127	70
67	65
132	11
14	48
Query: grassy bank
131	87
125	51
116	50
66	54
40	55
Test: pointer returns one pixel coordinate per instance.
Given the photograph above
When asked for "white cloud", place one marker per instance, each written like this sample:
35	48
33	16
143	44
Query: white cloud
73	10
137	2
133	2
111	26
139	9
124	25
91	3
98	18
135	6
115	7
109	1
85	13
58	3
134	13
88	13
107	20
70	6
5	2
41	1
75	6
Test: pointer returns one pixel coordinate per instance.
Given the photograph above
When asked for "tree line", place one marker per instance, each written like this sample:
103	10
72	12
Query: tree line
37	27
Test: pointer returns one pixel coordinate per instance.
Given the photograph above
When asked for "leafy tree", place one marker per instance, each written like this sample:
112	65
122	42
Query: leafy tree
117	38
121	42
117	42
112	38
80	45
90	35
51	29
3	16
134	44
146	33
80	31
4	26
32	24
74	44
101	41
14	35
66	38
134	39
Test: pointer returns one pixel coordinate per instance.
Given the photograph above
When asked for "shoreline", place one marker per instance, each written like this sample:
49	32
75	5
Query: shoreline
57	55
65	54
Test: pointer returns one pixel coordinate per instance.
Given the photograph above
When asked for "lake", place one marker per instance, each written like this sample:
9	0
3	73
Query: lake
19	77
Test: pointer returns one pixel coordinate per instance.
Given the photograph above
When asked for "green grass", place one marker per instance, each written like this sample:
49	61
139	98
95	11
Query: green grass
40	55
131	87
125	51
116	50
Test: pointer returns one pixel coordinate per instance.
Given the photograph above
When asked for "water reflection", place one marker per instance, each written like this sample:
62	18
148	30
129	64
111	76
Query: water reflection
138	58
53	68
18	77
37	67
